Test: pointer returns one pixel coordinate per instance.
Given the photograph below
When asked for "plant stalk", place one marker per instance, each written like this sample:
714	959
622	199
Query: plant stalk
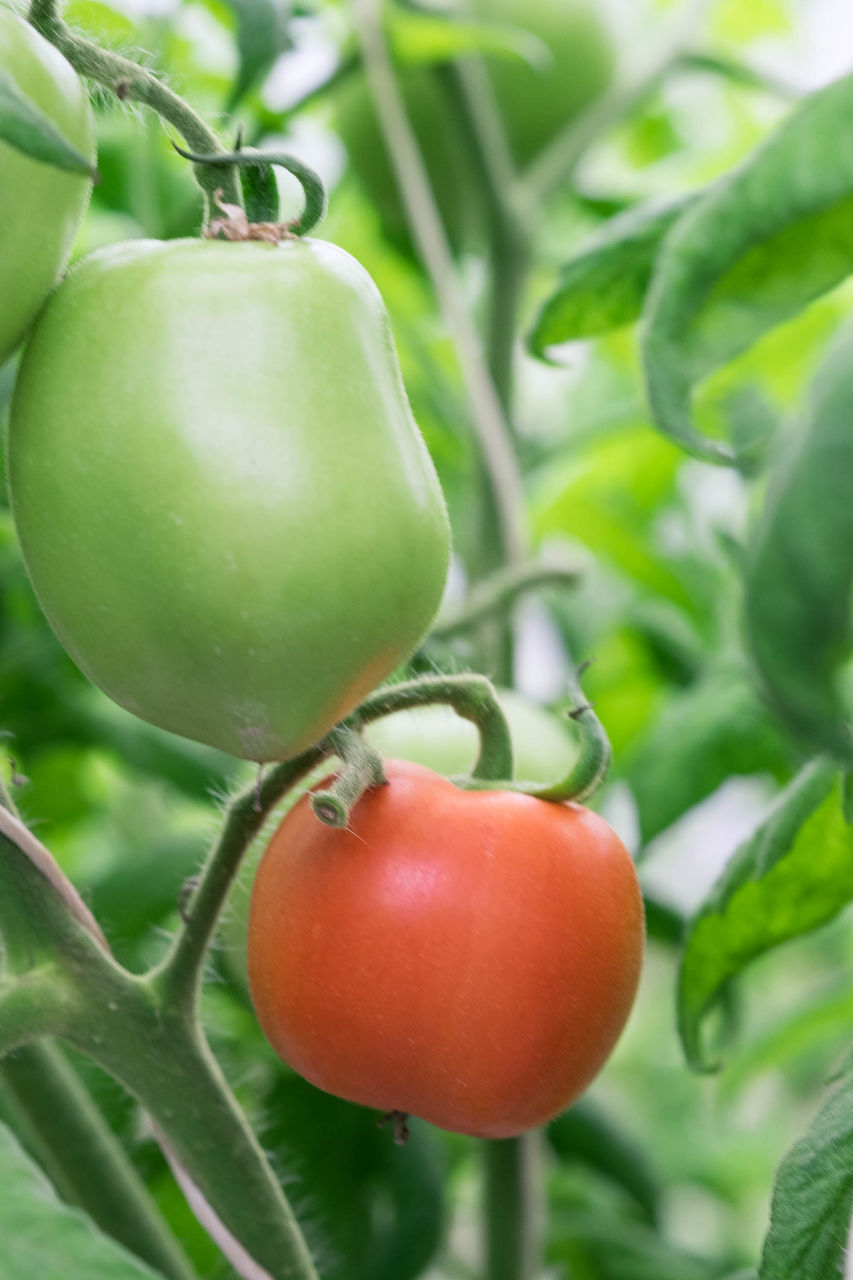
66	1133
128	80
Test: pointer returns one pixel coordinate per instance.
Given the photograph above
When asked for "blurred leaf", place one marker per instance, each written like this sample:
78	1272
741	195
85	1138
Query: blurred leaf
752	251
419	37
262	34
44	1238
600	1247
738	72
606	495
704	734
799	571
604	286
24	127
376	1208
793	874
813	1198
585	1134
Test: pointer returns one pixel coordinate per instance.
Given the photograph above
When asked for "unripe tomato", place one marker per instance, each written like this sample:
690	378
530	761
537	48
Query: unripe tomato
226	509
40	205
534	102
465	956
435	736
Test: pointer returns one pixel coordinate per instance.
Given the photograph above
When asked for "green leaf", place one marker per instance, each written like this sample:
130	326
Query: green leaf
792	875
377	1208
262	34
813	1198
799	568
715	728
26	129
604	286
418	38
45	1238
587	1135
756	248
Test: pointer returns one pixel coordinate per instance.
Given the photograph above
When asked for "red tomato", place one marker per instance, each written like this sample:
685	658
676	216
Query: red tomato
465	956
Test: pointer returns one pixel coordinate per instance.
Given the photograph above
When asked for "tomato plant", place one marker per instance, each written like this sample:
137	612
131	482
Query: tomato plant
571	68
40	204
216	490
487	972
261	584
437	738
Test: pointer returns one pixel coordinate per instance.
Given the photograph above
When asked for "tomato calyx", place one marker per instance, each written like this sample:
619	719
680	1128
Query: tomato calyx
260	193
472	697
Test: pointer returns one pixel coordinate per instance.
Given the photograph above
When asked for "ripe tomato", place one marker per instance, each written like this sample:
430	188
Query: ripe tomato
40	205
468	957
226	509
435	736
534	103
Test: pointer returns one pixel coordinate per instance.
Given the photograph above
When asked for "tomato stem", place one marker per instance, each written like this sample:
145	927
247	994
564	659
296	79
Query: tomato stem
495	595
471	696
489	417
136	83
362	770
312	184
589	769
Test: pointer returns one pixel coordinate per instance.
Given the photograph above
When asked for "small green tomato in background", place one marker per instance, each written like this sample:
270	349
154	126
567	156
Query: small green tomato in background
436	737
40	205
227	512
534	103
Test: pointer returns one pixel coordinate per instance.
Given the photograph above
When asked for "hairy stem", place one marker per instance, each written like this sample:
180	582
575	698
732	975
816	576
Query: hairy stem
59	1122
179	976
129	80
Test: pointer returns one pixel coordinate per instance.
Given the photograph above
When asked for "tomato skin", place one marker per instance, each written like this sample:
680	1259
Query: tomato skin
40	206
219	488
467	957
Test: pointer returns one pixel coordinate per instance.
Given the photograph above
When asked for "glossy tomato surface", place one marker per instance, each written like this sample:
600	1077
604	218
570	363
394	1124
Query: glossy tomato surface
467	957
226	509
40	205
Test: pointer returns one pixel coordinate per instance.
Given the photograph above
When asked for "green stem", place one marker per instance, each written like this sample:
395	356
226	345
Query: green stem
129	80
154	1048
69	1137
178	978
481	133
472	697
496	594
362	769
489	417
593	759
166	1064
509	1234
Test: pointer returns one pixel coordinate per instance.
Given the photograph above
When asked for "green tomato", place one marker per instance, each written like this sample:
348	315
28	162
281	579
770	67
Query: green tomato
534	104
225	507
40	205
436	737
